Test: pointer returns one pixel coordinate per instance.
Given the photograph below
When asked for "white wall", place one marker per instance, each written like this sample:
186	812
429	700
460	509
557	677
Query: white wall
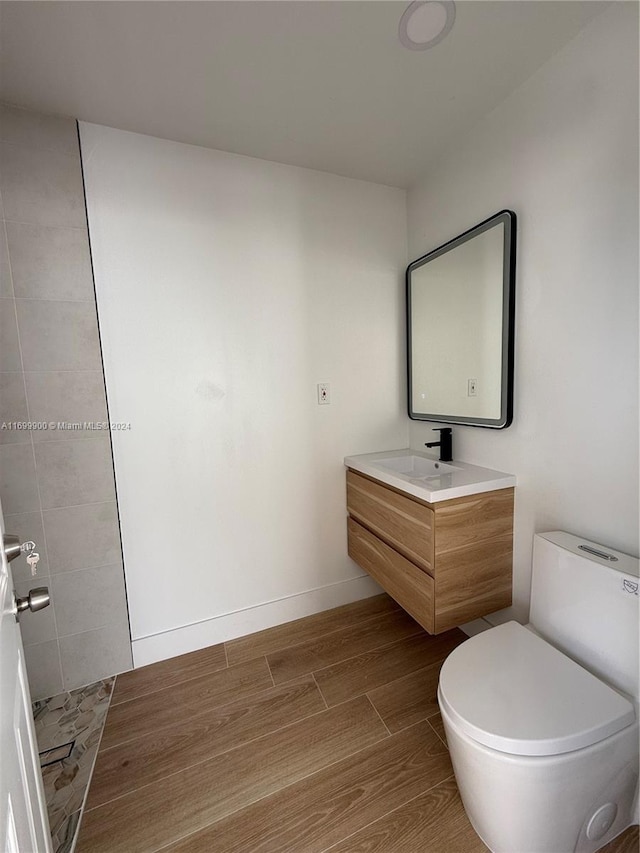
562	152
227	288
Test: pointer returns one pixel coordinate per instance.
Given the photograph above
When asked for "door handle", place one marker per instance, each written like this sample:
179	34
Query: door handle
37	599
13	548
11	545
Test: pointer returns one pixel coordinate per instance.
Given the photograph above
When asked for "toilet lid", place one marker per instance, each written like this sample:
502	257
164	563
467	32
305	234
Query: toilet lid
512	691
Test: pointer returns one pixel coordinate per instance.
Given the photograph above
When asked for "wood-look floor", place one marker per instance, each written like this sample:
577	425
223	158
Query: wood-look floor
322	734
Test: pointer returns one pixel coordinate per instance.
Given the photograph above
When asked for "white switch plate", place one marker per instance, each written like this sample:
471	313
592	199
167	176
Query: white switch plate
324	397
472	388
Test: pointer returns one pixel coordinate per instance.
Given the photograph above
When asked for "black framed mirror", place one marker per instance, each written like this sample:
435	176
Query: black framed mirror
460	327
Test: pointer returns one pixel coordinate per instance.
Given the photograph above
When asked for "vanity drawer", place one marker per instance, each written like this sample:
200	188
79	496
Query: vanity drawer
405	524
473	557
411	588
473	582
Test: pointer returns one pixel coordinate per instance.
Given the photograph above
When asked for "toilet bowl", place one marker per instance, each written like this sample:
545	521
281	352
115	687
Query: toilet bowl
542	720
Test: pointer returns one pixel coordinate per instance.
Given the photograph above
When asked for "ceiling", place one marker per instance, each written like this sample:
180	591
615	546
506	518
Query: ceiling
325	85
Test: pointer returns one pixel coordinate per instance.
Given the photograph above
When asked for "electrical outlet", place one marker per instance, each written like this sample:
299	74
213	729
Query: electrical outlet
472	388
324	397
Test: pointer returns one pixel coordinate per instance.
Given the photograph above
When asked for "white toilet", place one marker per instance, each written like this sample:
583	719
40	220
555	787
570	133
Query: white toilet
542	719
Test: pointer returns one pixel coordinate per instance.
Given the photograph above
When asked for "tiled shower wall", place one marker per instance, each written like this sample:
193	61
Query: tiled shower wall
56	485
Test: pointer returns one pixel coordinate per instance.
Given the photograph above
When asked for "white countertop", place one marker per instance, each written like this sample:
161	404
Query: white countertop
452	480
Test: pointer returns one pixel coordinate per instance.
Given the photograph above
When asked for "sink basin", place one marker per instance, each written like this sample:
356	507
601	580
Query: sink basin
426	478
417	467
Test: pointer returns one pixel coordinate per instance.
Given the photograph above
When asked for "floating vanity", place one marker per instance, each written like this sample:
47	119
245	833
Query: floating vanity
437	536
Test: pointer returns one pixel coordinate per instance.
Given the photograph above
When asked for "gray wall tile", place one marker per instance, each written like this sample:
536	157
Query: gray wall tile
18	485
58	335
9	347
13	407
68	397
93	655
28	525
50	263
43	669
41	186
38	130
45	262
40	626
74	472
6	285
88	599
82	536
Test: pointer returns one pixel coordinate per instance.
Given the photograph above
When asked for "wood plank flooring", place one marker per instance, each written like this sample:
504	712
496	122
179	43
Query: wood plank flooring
322	734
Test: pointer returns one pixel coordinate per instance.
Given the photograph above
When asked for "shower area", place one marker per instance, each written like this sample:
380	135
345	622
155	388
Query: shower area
56	467
57	481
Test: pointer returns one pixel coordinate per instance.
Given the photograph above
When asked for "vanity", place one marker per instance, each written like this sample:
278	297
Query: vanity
436	536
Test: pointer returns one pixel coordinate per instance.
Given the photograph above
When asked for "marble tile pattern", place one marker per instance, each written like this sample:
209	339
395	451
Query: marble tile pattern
75	718
56	485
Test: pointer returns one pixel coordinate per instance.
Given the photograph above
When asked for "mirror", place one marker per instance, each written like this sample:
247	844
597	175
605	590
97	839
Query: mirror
460	318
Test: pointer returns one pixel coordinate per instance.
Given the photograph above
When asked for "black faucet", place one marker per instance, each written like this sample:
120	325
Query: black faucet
445	444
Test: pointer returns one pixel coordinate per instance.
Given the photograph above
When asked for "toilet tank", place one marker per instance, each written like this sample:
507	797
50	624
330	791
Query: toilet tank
584	601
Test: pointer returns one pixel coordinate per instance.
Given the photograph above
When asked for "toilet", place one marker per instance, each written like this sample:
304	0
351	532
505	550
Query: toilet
542	719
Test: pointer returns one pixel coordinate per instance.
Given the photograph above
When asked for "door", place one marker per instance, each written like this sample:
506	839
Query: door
24	827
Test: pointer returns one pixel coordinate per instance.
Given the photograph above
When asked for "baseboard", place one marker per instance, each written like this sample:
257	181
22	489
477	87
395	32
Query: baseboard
228	626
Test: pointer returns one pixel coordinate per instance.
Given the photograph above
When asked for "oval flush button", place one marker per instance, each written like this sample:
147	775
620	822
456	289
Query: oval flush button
602	821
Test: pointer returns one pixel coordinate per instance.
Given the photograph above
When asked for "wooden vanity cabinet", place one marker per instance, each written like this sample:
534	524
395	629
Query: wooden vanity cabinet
445	563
